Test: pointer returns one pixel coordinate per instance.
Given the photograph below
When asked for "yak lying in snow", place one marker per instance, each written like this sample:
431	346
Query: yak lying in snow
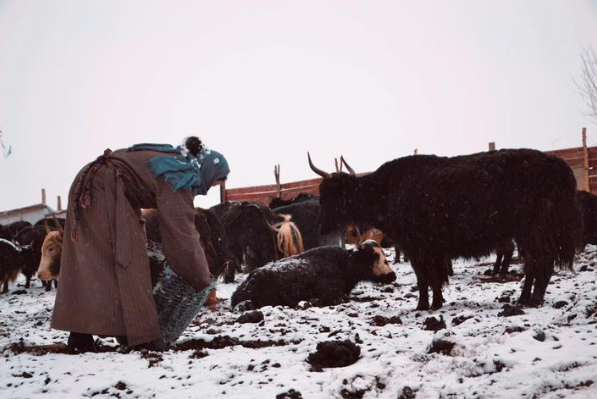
439	208
325	274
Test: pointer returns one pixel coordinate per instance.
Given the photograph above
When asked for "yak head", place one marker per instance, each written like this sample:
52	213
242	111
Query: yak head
368	262
51	255
336	196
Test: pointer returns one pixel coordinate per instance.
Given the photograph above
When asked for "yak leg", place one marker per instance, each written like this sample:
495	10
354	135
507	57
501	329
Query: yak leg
505	264
498	264
47	285
28	280
422	284
449	268
55	283
438	276
530	272
230	271
543	275
5	288
397	256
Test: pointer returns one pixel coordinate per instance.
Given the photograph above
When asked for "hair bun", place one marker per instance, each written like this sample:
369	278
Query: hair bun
194	145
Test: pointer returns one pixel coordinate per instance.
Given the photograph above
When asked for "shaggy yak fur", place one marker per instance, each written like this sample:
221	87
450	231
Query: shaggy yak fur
278	202
587	203
256	235
325	274
5	233
211	233
439	208
304	215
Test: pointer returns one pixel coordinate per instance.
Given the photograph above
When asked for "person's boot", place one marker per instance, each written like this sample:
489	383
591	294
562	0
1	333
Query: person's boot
157	345
80	343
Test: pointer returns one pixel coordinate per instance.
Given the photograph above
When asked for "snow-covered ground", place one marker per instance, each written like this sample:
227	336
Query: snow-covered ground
550	352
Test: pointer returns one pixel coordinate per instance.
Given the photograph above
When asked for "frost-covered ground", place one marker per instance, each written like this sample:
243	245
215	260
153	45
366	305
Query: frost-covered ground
549	352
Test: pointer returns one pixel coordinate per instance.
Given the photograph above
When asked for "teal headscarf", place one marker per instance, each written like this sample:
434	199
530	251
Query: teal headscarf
182	170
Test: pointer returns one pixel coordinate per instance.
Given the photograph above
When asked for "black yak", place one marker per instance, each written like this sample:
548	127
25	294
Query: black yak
34	237
12	256
256	235
440	208
304	216
325	274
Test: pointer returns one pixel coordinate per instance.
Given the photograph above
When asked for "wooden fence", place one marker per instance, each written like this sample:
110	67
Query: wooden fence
582	160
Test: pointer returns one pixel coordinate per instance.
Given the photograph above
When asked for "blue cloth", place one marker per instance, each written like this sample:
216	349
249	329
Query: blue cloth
190	173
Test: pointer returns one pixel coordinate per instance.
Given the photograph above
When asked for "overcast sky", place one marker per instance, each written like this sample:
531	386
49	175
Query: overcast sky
265	81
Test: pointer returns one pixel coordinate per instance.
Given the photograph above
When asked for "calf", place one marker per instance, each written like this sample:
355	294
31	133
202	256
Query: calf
325	274
51	255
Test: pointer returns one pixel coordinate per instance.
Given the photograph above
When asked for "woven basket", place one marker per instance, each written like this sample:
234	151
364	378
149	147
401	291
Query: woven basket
177	303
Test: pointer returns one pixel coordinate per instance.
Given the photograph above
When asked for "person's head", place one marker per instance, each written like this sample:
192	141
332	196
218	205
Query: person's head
213	165
193	145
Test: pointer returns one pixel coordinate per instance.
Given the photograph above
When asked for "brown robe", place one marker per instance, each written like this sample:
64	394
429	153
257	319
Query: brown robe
105	284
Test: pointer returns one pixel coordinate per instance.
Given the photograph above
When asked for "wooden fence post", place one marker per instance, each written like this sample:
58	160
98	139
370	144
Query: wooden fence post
585	151
223	192
492	146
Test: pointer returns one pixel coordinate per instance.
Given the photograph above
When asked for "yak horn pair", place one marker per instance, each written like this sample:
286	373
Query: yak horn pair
326	174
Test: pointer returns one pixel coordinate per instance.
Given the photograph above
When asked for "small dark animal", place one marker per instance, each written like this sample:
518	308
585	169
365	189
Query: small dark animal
439	208
11	260
325	274
278	202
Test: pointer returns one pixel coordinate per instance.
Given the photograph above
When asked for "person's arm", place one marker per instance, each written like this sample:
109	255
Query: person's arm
180	239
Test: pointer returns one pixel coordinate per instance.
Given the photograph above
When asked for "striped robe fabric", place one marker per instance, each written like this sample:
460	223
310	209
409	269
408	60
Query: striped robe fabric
105	284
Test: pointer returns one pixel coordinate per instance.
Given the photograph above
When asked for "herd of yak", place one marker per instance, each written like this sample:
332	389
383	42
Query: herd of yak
433	209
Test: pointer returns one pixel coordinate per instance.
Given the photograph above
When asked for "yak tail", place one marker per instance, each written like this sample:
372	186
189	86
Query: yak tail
290	240
564	223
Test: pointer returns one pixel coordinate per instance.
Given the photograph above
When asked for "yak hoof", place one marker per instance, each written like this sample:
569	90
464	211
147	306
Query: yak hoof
436	306
422	306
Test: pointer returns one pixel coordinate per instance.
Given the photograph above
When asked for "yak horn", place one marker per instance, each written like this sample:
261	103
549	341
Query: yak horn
57	223
350	170
315	169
